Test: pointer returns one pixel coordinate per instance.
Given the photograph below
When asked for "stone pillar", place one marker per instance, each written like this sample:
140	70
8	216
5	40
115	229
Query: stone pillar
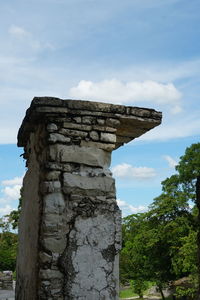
69	233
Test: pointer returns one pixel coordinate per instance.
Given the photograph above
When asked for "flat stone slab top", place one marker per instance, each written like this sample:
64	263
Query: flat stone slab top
121	123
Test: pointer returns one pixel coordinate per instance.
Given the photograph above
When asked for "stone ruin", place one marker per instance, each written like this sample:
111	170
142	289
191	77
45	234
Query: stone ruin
70	224
6	280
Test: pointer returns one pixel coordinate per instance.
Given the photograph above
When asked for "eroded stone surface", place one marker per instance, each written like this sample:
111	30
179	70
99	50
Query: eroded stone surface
91	156
70	226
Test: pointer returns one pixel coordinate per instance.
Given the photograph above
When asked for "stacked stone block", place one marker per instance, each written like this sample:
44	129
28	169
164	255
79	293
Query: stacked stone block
6	281
70	223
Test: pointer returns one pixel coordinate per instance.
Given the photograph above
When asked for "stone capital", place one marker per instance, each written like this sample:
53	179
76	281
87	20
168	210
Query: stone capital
87	123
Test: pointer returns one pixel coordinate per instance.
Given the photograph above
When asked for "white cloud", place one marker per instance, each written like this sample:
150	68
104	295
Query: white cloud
121	203
3	200
130	209
172	162
22	35
165	71
128	171
8	136
138	209
18	32
13	192
14	181
176	109
116	91
176	128
5	210
10	193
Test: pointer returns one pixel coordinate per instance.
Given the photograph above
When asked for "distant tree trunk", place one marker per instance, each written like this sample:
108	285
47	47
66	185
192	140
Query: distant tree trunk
198	233
161	291
141	296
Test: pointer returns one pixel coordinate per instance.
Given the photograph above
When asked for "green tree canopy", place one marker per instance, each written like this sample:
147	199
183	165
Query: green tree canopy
160	245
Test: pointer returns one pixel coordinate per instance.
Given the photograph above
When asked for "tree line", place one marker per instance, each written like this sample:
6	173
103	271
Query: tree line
160	245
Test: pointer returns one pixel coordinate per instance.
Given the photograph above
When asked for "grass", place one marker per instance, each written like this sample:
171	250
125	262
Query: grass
127	293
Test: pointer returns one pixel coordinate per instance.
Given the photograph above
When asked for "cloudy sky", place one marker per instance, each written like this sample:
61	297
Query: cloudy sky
133	52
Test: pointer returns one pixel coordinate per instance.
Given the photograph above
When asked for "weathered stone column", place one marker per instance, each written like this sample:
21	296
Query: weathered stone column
69	234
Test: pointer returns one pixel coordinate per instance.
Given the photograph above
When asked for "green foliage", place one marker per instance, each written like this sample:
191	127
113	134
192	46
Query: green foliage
8	239
8	250
186	257
127	293
161	245
13	217
139	286
189	289
188	170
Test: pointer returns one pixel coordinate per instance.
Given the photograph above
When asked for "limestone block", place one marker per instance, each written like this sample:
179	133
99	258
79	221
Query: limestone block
45	258
104	128
108	137
92	172
94	135
141	112
57	137
51	228
54	203
92	267
58	166
88	185
52	218
75	133
50	109
100	121
52	127
55	292
52	223
54	244
88	120
53	175
103	146
83	155
104	294
50	274
90	231
71	125
46	282
112	122
77	119
50	187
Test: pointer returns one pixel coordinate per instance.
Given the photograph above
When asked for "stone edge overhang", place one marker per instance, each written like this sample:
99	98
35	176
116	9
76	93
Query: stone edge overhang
134	121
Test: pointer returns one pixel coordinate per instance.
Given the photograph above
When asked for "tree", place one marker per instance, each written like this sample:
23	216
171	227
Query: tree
139	286
8	250
10	222
144	256
157	244
9	239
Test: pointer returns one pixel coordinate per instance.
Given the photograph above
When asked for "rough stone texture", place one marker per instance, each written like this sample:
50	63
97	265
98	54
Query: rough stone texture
27	267
6	280
69	231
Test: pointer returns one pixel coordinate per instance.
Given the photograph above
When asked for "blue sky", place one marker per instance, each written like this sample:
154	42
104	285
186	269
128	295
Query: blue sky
134	52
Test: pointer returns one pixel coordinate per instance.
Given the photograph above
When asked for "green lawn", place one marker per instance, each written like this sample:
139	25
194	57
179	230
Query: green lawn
126	294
